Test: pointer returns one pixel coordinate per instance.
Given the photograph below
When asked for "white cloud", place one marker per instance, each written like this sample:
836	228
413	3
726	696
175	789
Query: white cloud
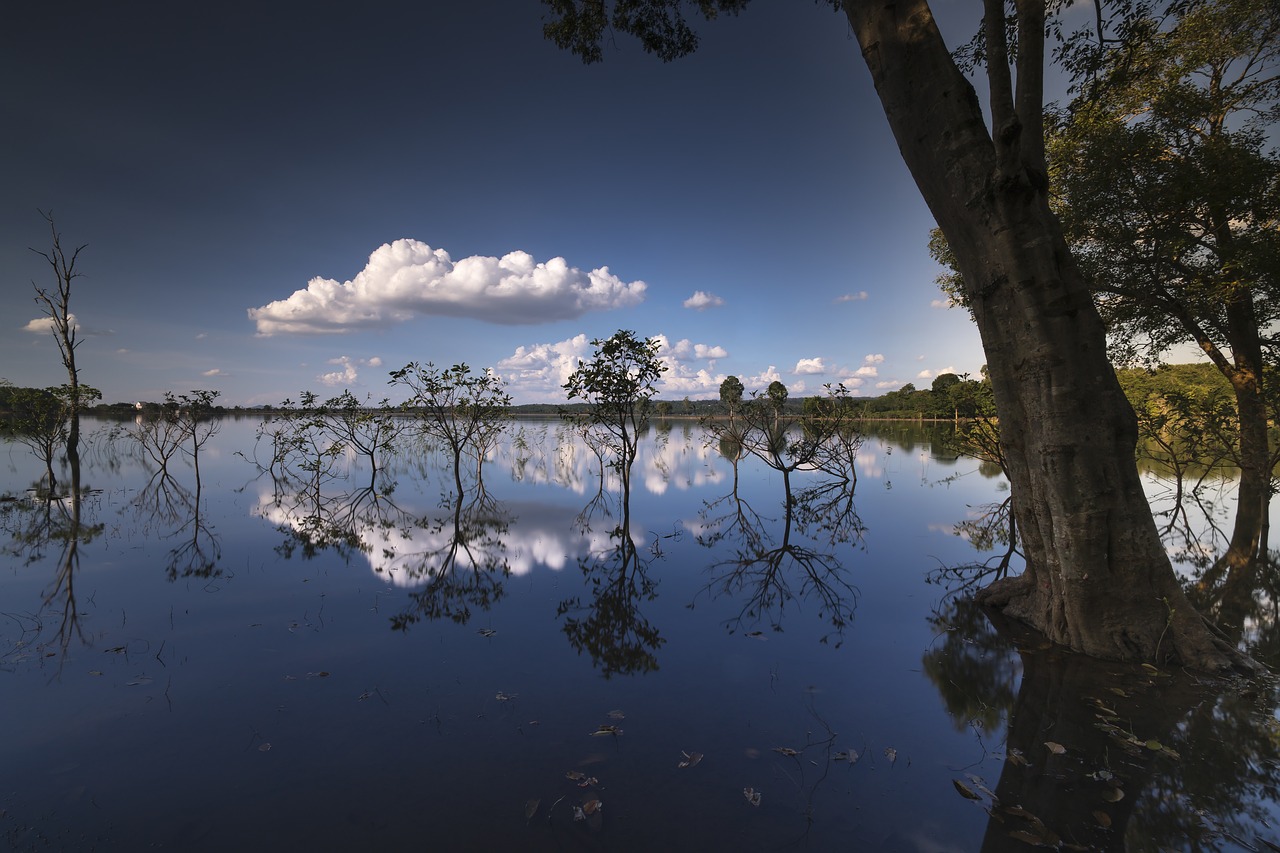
874	358
809	366
202	336
44	325
349	372
212	372
867	370
763	380
797	388
860	296
945	302
702	300
539	371
408	278
888	385
925	374
686	350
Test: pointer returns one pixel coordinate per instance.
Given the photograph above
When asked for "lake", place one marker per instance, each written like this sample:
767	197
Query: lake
351	660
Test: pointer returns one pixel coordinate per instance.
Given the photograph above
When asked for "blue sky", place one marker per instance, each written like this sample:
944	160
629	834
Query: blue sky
276	198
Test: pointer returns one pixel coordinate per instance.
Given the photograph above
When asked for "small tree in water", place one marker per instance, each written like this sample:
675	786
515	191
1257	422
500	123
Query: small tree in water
618	384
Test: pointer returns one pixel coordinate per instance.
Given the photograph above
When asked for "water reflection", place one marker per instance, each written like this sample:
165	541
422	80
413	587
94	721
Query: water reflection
1105	756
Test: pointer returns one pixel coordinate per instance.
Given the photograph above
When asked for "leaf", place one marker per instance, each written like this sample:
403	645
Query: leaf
486	632
786	750
1118	692
758	635
95	672
690	759
264	747
505	697
752	795
891	754
965	790
1055	748
574	775
616	715
592	806
604	731
588	782
1171	753
1113	795
851	756
531	808
1016	758
1103	819
1154	745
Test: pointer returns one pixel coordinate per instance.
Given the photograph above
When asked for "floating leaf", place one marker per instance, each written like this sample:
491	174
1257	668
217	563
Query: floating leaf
690	759
1154	745
851	756
752	795
1113	795
891	754
1016	758
592	806
1171	753
606	730
758	635
264	747
486	632
531	808
1118	692
965	790
588	782
1055	748
575	775
616	715
578	814
786	750
1102	775
1103	819
95	672
1149	668
505	697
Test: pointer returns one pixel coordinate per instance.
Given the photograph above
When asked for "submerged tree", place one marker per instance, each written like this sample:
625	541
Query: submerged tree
463	410
618	384
1097	578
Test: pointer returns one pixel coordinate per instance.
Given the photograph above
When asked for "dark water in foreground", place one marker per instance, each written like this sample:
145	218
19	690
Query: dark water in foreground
244	667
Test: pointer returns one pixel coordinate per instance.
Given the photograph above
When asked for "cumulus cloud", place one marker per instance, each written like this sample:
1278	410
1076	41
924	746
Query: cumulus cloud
945	302
888	385
808	366
702	300
44	325
540	370
867	370
686	350
764	379
408	278
212	372
860	296
349	371
874	358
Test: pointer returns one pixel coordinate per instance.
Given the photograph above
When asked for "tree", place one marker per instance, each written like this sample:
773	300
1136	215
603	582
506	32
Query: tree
1097	578
196	422
465	410
731	392
56	305
618	384
1168	189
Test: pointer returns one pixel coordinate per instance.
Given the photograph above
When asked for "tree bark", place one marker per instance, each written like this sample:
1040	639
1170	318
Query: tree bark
1097	578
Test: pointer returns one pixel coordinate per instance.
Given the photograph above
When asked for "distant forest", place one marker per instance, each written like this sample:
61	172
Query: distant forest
948	397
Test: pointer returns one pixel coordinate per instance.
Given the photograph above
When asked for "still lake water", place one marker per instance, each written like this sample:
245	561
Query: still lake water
245	667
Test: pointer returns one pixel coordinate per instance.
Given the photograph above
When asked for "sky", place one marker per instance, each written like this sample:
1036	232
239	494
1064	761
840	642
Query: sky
276	198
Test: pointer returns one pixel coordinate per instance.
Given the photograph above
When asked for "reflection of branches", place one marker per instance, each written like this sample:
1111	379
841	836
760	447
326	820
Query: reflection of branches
34	523
466	570
770	576
971	664
609	627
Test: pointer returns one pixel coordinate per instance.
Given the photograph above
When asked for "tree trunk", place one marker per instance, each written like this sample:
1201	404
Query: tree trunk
1097	578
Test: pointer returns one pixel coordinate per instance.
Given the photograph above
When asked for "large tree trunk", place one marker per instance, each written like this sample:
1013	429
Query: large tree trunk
1097	578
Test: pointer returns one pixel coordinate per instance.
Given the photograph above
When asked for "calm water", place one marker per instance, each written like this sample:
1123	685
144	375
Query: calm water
254	666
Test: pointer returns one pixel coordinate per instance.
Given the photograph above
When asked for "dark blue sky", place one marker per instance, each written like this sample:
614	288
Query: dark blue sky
217	161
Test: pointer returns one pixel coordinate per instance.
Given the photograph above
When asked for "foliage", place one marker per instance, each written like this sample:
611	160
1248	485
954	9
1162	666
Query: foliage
618	384
464	410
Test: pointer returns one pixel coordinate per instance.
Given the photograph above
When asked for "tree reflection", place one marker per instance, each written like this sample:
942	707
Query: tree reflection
46	519
464	562
1107	756
767	573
